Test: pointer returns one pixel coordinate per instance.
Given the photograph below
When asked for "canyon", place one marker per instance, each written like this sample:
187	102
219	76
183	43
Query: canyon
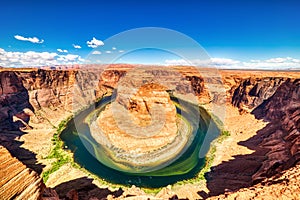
260	157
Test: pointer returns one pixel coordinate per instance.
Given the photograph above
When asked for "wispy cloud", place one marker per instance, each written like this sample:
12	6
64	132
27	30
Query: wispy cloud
224	62
62	50
177	62
121	51
32	58
96	52
274	63
94	43
76	46
227	63
68	58
114	48
29	39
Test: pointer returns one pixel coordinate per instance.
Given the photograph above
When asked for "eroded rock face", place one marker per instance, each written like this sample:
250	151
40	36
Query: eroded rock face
142	129
284	185
251	92
141	105
110	77
56	94
49	88
17	181
182	81
282	138
276	146
122	120
14	101
275	99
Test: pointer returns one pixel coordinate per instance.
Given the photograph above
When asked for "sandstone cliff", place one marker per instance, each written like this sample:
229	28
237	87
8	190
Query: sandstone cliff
17	181
50	94
14	102
48	88
285	185
275	146
178	80
281	136
42	98
276	100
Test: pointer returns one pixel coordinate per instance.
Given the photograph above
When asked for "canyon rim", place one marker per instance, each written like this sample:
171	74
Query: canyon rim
262	119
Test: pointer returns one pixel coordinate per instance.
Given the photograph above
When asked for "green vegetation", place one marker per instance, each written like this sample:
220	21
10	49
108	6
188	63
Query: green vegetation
57	153
208	160
210	156
61	157
223	136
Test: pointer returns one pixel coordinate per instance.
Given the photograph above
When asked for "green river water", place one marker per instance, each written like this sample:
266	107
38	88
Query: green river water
88	153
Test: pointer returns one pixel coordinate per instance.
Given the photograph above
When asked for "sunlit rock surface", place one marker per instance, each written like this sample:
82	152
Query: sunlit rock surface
142	129
17	181
246	90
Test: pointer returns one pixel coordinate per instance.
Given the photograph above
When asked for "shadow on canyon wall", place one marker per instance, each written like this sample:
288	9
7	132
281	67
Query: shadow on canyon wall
84	189
14	115
276	146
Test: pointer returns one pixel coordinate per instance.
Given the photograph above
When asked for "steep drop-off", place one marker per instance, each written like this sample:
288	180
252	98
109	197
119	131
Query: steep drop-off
14	102
43	98
276	146
18	179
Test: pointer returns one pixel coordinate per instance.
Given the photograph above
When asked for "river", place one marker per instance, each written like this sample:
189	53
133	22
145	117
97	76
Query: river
76	136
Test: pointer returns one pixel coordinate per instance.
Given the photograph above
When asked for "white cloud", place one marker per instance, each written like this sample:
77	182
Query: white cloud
224	62
273	63
276	60
227	63
114	48
62	51
32	58
96	53
177	62
68	58
29	39
81	59
94	43
121	51
76	46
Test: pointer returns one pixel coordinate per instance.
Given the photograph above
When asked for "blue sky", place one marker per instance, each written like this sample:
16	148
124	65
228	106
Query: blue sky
237	30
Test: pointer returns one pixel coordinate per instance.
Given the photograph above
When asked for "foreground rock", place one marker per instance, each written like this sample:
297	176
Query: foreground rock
17	181
285	185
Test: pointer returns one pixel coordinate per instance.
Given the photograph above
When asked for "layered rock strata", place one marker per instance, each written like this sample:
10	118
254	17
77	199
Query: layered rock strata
285	185
275	147
15	108
17	181
144	125
274	98
281	136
